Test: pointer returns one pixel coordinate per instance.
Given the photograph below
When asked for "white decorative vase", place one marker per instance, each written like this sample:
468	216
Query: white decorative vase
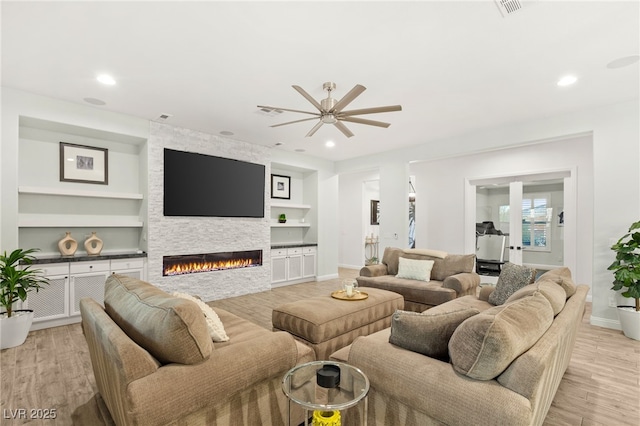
67	245
93	245
14	330
629	321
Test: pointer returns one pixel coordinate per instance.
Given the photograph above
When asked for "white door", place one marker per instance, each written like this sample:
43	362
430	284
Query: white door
515	222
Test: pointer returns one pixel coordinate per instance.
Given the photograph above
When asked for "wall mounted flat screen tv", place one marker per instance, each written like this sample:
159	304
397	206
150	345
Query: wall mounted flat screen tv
204	185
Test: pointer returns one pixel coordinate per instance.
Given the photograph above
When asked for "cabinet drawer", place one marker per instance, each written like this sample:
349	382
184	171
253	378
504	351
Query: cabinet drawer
54	269
278	252
309	250
294	250
120	264
84	267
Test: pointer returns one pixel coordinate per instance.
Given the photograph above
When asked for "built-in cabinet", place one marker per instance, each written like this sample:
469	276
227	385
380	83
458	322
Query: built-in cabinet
59	302
292	265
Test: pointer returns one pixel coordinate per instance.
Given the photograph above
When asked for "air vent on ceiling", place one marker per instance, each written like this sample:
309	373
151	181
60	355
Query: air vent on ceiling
508	7
271	112
164	117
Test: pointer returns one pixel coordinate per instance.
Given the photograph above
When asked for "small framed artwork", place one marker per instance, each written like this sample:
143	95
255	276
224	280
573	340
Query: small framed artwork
281	187
85	164
375	212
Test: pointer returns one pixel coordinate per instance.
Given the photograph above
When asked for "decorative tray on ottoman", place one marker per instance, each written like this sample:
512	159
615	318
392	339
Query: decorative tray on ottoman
342	295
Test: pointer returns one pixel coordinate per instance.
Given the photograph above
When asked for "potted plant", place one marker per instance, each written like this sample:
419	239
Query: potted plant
17	279
626	271
282	218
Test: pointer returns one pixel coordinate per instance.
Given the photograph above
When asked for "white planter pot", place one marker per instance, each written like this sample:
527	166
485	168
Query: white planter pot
14	330
629	321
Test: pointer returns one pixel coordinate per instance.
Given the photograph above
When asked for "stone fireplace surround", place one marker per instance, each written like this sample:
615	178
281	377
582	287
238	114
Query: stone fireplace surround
169	236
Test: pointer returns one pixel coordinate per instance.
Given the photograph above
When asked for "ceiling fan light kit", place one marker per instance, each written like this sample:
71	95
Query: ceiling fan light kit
330	110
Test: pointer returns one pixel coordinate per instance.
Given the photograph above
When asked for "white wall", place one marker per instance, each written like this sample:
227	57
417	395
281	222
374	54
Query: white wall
356	192
616	153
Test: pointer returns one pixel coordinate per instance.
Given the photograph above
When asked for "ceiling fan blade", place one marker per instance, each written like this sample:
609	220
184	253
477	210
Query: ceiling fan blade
296	121
308	97
343	129
287	109
348	98
374	110
364	121
314	129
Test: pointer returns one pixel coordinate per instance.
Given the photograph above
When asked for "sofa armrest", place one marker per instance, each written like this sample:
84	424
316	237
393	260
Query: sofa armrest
229	370
485	292
374	270
464	283
432	386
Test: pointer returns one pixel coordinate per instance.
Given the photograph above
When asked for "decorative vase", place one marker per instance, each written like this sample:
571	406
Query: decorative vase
14	330
67	245
93	245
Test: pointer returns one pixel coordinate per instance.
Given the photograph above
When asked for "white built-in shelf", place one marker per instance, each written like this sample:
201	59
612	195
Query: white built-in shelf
290	206
290	225
39	190
77	221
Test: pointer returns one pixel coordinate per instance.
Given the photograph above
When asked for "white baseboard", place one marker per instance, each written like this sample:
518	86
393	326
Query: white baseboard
327	277
356	267
605	322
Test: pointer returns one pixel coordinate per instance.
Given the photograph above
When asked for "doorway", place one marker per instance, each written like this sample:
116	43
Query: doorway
521	219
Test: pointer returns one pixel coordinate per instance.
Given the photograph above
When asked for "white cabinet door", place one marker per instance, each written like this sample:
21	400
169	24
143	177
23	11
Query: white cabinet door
133	268
87	280
309	263
294	269
278	269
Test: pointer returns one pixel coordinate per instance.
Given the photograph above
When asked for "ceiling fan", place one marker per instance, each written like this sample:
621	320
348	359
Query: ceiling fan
330	111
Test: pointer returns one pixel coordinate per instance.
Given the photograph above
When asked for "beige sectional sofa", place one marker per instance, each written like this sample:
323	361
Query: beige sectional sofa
502	364
155	363
451	276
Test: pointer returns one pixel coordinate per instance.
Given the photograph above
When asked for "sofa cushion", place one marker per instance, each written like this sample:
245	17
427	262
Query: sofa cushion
550	290
484	345
214	325
427	333
390	258
561	276
511	279
413	269
171	329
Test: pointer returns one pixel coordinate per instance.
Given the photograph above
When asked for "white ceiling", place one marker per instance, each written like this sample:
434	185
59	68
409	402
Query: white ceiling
453	66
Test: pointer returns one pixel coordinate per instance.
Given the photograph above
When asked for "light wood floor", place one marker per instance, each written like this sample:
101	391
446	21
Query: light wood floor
52	369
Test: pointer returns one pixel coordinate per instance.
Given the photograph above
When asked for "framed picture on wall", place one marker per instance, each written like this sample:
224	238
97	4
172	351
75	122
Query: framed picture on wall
281	187
85	164
375	212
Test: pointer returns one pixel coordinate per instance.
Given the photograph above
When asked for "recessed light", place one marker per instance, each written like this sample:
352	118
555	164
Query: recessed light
94	101
623	62
567	80
106	79
300	150
330	144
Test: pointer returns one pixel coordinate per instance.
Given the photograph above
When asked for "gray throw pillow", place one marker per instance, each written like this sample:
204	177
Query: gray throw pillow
425	333
512	278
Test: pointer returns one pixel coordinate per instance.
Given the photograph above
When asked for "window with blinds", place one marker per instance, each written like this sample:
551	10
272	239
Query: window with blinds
536	221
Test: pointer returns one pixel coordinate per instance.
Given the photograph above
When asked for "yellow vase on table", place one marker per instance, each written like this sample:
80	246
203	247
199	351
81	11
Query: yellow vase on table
326	418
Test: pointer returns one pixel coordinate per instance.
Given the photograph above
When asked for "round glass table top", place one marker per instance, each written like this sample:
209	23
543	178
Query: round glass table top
301	386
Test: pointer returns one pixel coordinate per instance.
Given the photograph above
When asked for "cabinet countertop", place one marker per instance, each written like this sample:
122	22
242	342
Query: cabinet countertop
87	258
290	245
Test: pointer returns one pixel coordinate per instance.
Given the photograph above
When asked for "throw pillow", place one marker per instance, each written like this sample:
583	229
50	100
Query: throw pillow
214	325
511	279
550	290
414	269
425	333
483	346
562	277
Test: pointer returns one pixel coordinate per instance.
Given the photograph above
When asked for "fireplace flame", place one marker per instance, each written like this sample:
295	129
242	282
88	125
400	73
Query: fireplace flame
194	267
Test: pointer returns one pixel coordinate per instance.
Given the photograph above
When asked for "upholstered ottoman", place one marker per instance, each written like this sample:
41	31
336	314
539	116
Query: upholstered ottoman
327	324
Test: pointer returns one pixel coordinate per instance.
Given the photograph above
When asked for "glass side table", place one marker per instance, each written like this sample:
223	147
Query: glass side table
301	386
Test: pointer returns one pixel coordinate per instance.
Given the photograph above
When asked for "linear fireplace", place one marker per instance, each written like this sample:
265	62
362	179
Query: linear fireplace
194	263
